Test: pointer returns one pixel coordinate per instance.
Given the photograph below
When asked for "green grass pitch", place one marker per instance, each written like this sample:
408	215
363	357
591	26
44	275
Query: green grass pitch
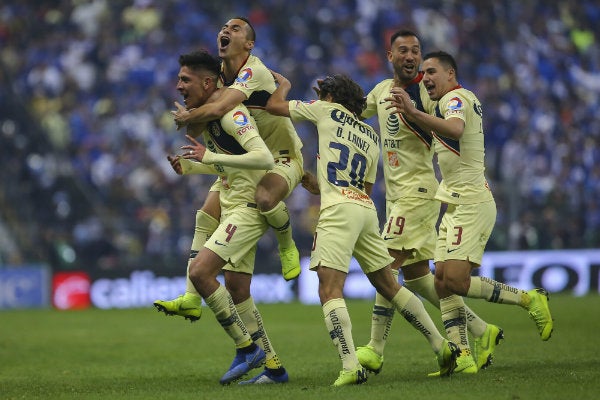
141	354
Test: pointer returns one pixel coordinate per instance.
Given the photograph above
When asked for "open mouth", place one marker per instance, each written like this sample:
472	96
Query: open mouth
224	42
429	88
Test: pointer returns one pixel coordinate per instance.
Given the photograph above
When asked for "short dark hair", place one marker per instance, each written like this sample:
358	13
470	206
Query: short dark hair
445	59
201	60
252	31
344	91
403	33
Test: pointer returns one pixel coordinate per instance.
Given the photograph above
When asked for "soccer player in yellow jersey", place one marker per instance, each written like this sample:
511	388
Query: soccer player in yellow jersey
250	82
411	208
471	214
348	224
237	154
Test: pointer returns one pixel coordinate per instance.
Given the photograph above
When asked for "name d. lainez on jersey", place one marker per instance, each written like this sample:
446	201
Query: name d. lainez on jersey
347	119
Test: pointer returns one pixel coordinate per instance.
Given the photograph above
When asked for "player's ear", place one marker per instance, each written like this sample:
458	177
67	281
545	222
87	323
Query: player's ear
249	45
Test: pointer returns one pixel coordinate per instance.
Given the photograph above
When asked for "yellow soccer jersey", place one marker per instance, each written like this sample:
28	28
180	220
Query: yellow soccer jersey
407	149
228	136
348	152
256	82
462	161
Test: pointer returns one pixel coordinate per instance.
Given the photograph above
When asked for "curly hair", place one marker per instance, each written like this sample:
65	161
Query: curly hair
344	91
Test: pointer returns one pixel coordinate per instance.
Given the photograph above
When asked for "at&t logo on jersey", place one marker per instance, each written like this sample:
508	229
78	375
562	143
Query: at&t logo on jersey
244	75
455	104
239	118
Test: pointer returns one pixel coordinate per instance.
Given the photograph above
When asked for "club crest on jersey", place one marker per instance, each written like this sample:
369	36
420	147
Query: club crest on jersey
245	75
239	118
454	104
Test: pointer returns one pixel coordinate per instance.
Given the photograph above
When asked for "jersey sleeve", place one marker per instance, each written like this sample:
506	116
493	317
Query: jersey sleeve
305	111
254	77
241	126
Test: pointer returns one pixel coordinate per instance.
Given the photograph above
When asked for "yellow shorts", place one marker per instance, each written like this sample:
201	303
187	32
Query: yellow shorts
464	231
289	168
345	230
236	237
411	226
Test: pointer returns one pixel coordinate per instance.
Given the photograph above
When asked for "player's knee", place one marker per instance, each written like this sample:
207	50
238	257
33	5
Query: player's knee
195	272
265	200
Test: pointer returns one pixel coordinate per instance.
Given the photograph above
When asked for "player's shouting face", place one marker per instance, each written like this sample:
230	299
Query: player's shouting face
405	56
234	38
193	85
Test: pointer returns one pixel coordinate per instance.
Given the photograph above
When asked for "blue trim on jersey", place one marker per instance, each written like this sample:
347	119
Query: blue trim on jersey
414	91
452	144
223	140
258	98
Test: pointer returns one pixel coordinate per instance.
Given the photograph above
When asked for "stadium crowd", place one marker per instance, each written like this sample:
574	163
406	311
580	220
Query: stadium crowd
88	85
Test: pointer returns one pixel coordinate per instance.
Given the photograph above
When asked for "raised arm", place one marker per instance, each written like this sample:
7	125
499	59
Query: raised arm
209	111
277	104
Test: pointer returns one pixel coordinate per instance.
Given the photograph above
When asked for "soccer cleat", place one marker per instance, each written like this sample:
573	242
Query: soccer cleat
485	345
540	312
446	358
188	306
266	377
352	377
290	262
369	359
242	364
464	363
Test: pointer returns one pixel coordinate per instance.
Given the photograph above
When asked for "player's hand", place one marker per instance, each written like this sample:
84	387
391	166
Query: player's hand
400	101
176	164
180	115
280	79
310	183
317	88
194	151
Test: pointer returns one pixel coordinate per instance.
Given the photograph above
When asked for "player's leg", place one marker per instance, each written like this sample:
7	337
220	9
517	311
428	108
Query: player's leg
238	284
474	223
272	189
371	355
189	304
413	310
334	241
203	274
409	235
239	231
453	310
337	321
371	253
419	279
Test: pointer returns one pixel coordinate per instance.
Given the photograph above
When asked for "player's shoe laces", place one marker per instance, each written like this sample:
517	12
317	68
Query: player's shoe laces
188	306
242	364
485	345
446	358
368	358
352	377
266	377
540	312
290	262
